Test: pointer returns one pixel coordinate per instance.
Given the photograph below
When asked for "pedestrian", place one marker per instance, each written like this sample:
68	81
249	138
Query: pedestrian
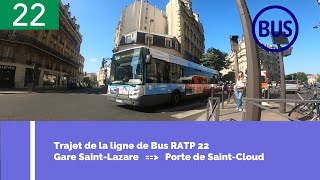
239	89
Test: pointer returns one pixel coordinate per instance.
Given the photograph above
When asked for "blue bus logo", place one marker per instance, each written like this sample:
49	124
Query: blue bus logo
267	28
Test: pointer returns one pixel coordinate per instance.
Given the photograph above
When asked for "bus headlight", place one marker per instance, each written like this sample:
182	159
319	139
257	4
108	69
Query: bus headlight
135	93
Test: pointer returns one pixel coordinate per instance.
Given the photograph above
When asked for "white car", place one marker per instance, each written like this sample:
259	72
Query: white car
292	86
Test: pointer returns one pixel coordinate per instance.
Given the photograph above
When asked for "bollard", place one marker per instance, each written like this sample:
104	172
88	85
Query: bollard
222	103
212	87
296	93
217	115
208	110
268	92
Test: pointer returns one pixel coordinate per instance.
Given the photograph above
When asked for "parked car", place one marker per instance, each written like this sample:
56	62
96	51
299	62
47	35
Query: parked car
292	86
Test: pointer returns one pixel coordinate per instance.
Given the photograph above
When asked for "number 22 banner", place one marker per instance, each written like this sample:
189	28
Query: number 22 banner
29	14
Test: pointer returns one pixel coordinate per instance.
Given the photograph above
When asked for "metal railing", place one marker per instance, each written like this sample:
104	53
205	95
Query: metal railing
257	102
213	108
214	104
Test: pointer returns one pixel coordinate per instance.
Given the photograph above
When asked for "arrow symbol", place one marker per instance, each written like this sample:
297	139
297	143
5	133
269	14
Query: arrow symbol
152	157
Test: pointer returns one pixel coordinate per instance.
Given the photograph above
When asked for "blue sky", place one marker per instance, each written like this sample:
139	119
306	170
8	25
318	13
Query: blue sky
99	18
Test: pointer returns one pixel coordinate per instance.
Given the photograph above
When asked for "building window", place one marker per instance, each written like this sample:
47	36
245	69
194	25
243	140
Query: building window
128	39
145	28
168	43
149	39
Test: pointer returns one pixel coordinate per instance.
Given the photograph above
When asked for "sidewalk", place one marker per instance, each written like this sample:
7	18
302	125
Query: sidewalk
230	113
27	90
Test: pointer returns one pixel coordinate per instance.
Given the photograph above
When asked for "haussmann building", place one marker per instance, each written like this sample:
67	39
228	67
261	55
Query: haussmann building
56	53
176	30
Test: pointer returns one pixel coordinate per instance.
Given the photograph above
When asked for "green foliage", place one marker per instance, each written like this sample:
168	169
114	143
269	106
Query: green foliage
301	76
318	79
215	59
87	80
229	77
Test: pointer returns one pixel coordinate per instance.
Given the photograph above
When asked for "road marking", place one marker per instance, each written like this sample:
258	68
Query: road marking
187	113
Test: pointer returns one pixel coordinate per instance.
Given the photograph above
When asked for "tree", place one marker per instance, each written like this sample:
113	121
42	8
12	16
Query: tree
229	77
318	79
87	80
302	77
291	77
215	59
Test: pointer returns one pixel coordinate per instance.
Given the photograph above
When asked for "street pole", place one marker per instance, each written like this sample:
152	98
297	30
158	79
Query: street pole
234	42
282	107
236	64
252	113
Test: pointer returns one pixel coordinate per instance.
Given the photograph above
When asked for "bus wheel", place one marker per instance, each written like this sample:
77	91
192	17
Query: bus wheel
175	98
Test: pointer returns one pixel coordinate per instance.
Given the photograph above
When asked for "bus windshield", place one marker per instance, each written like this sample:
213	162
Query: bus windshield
126	67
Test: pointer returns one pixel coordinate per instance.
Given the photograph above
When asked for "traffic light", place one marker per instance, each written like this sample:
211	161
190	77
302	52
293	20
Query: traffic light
85	73
103	62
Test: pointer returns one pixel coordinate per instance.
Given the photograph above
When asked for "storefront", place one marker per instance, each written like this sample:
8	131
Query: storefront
50	78
7	75
31	77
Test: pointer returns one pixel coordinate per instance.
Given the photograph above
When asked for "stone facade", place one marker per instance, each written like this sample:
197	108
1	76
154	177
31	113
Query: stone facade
269	61
103	74
181	31
57	54
312	78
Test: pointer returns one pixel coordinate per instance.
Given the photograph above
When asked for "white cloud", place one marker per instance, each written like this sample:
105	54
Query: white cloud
93	60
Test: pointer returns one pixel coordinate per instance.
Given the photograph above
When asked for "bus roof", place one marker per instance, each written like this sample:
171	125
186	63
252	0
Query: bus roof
173	59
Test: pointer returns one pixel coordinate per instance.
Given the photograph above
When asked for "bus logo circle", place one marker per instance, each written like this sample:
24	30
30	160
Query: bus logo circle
269	28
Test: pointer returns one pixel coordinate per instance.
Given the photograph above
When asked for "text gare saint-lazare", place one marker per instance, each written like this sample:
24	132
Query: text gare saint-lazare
119	147
143	146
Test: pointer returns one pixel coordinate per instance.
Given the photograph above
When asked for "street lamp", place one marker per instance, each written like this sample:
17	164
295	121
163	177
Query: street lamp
235	48
104	61
282	40
149	36
253	112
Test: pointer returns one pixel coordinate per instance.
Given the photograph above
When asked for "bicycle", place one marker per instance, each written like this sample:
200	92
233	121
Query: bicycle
306	111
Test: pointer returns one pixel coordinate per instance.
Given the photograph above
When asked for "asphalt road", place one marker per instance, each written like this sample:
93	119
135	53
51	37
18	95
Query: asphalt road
90	104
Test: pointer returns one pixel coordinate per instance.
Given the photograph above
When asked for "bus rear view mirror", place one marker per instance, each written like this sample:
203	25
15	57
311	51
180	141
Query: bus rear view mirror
148	59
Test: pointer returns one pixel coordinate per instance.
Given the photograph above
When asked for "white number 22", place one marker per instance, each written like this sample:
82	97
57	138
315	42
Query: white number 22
25	10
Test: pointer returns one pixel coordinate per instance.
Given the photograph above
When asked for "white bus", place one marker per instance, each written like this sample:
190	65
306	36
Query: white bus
146	77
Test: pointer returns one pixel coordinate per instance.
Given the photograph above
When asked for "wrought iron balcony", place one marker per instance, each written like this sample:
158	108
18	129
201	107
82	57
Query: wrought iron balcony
19	38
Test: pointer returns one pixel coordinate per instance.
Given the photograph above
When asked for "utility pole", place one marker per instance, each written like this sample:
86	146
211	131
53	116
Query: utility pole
235	48
253	113
283	106
149	36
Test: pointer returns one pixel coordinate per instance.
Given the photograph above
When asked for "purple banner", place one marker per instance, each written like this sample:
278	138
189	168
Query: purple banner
162	150
289	150
14	151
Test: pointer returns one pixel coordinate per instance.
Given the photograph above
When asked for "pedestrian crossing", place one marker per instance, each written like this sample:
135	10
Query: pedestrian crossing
189	113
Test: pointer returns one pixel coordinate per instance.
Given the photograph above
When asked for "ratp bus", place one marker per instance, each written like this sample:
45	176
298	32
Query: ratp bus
146	77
